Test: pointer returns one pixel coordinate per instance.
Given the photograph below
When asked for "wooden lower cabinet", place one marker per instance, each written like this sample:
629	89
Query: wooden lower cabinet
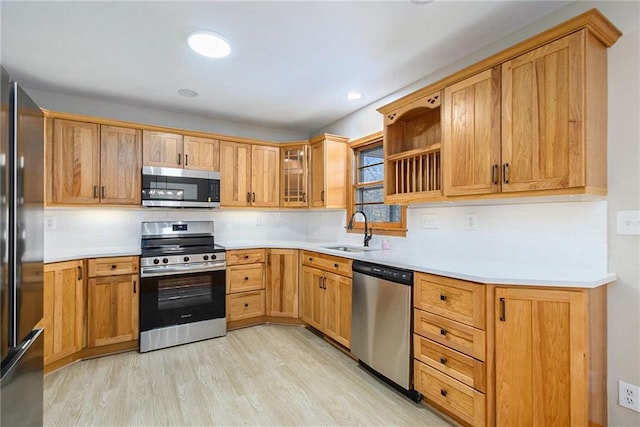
112	309
63	310
245	305
551	353
282	283
245	278
326	303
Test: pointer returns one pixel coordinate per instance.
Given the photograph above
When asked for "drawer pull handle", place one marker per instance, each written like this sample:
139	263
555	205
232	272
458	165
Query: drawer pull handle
113	266
443	392
246	257
310	259
246	278
336	265
443	332
246	304
443	297
443	360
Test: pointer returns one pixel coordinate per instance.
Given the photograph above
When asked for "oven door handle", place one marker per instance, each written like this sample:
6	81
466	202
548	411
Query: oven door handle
173	270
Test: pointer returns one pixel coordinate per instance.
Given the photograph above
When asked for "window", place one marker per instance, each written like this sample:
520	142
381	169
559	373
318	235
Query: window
367	193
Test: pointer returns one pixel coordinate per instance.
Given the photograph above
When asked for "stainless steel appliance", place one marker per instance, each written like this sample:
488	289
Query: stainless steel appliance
180	188
22	231
381	323
182	284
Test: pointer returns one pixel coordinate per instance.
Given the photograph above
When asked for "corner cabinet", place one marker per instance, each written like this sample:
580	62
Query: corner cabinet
326	289
282	283
294	172
329	167
95	164
249	175
550	351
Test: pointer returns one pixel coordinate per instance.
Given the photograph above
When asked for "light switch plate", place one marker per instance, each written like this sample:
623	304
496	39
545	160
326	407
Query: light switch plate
430	221
50	222
471	221
628	223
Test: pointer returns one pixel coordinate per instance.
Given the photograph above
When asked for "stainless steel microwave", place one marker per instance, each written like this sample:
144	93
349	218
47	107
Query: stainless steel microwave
180	188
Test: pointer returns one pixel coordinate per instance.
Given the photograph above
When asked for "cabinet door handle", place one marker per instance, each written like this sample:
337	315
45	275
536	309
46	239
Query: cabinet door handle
253	197
179	158
443	297
494	174
505	173
443	332
186	160
443	360
134	286
95	191
304	197
248	197
322	196
443	392
503	310
79	272
104	191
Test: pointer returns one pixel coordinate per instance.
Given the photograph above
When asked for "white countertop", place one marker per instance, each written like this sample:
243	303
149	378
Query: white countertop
499	273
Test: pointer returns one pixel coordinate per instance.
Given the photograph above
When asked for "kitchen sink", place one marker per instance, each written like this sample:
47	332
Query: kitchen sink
343	248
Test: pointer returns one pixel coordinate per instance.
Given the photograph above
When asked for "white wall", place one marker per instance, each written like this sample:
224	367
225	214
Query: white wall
624	190
106	109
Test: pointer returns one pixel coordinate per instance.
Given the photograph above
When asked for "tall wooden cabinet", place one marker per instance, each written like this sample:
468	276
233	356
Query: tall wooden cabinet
249	175
326	295
550	349
63	310
329	171
282	283
95	164
112	300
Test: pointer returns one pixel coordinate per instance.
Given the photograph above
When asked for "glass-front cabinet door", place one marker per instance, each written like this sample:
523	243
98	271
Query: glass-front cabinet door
295	171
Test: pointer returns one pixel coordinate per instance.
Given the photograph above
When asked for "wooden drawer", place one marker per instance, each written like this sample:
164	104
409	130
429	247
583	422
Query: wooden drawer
113	266
459	400
245	305
464	338
454	299
461	367
330	263
241	278
245	256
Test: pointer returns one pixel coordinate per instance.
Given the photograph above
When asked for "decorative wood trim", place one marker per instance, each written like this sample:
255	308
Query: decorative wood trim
328	137
592	20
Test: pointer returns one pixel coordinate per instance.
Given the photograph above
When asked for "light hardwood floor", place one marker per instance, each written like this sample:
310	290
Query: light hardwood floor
263	375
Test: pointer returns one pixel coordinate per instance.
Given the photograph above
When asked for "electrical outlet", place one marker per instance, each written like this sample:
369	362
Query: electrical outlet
471	221
259	221
429	221
628	223
50	222
629	396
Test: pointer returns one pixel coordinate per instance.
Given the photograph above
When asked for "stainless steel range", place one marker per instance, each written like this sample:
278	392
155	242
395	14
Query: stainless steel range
182	284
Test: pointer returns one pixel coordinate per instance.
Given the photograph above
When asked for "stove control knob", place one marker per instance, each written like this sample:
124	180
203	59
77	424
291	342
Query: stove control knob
156	261
206	257
213	257
165	260
186	259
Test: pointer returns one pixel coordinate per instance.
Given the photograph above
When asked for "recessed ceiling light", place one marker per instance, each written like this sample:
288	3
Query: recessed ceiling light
209	44
352	96
188	93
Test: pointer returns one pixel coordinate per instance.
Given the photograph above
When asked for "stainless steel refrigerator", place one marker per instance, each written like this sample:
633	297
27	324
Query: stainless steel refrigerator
21	250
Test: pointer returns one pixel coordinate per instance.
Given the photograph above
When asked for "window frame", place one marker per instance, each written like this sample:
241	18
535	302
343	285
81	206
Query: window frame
379	228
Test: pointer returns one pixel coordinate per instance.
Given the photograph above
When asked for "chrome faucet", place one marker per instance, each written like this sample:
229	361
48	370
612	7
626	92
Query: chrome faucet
367	236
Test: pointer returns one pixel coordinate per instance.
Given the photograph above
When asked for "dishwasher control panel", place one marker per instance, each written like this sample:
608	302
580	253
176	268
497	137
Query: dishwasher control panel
384	272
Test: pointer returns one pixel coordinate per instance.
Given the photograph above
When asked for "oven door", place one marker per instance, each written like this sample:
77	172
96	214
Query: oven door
170	187
181	298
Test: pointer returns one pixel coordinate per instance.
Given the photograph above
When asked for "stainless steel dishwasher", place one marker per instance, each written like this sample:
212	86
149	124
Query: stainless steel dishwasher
381	323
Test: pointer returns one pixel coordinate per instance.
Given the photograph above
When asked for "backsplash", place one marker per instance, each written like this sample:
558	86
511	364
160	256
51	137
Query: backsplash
567	235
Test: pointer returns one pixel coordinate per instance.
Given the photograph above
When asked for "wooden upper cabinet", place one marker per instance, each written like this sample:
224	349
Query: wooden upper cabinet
120	165
265	180
294	172
235	175
471	135
162	149
249	175
329	171
201	153
76	162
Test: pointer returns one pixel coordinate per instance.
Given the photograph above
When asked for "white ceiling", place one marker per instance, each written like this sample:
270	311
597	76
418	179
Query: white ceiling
292	63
